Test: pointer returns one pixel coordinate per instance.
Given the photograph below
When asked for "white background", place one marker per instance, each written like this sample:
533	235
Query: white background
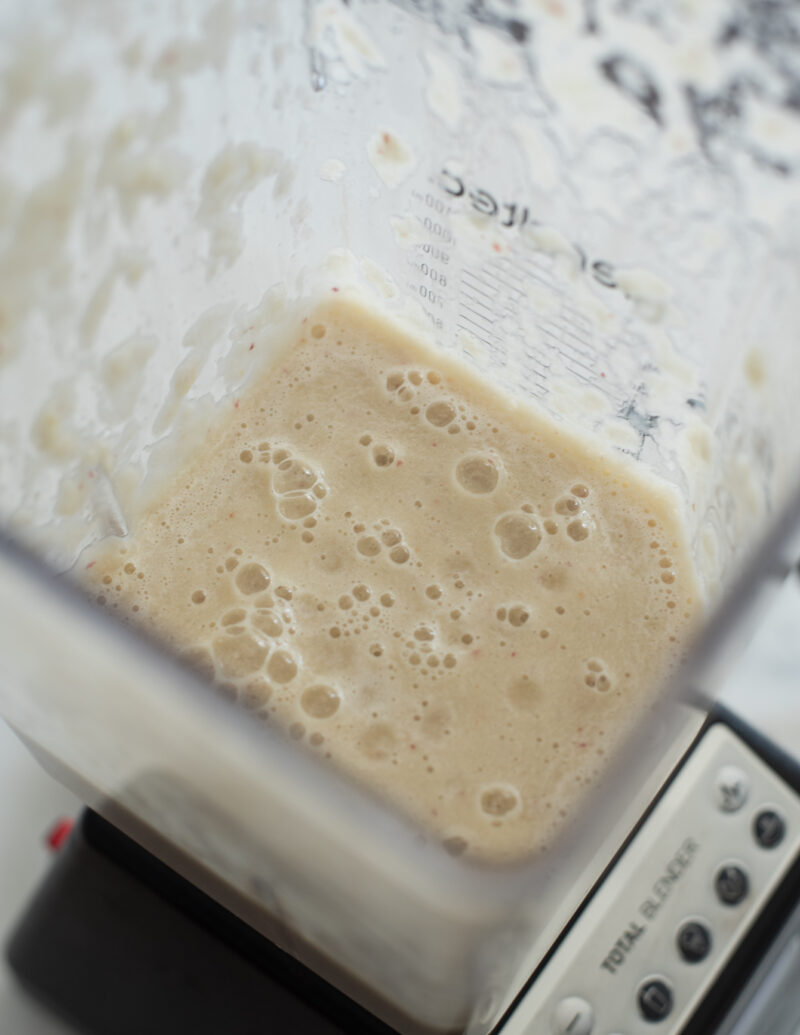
764	687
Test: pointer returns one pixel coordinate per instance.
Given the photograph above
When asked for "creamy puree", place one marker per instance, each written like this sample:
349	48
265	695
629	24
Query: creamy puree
453	598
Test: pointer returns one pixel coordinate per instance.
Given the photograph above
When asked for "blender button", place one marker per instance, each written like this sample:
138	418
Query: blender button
768	828
655	999
694	941
731	884
731	788
573	1016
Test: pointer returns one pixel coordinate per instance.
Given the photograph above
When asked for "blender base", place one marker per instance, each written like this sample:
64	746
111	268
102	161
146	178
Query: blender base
115	941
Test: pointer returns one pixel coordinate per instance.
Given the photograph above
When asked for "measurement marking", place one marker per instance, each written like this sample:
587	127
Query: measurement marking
477	301
477	290
574	363
480	316
505	264
468	293
483	283
566	337
506	274
584	376
482	329
469	330
510	290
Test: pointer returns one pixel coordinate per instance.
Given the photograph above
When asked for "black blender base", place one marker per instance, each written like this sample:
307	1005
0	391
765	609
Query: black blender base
116	943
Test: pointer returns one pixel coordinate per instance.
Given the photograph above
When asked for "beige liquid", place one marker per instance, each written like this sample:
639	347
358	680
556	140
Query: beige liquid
453	599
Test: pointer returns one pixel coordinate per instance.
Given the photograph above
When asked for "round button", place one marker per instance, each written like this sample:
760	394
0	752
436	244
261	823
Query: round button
731	788
768	828
731	884
694	941
655	999
573	1016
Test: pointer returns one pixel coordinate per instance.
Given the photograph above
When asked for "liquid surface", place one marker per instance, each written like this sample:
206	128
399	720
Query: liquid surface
452	599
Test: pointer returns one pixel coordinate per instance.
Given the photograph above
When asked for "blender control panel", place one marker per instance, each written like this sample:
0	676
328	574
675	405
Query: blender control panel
677	903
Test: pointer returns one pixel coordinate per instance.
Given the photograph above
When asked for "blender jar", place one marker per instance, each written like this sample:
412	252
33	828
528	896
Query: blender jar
594	206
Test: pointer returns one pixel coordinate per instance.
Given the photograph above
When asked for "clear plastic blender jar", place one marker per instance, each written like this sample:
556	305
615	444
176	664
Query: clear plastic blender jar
594	208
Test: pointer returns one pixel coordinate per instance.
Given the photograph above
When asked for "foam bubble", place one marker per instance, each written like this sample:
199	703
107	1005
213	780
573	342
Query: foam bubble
246	456
567	505
297	505
477	474
382	455
391	537
268	622
580	490
293	475
518	535
234	617
361	592
368	546
400	554
320	701
578	530
239	655
252	578
440	413
433	592
198	597
518	615
455	845
500	800
318	331
282	667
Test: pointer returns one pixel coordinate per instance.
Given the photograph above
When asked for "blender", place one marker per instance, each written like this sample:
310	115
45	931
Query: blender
592	205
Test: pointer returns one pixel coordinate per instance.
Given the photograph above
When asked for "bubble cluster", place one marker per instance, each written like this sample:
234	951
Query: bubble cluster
297	486
596	676
571	506
382	540
517	615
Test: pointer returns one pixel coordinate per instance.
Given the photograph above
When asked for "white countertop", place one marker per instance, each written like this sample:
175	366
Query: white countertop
764	688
